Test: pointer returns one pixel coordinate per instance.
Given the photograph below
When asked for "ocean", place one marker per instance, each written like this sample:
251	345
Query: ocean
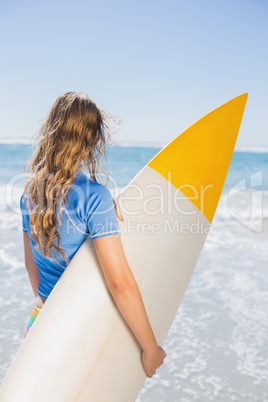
217	346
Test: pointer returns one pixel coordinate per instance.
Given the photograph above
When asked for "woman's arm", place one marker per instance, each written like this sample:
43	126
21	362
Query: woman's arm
125	292
32	269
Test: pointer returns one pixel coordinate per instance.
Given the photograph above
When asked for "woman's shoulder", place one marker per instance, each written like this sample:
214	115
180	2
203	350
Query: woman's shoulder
81	178
25	201
90	186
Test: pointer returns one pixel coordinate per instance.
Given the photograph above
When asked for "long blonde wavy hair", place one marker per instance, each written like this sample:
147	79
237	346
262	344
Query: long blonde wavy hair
72	138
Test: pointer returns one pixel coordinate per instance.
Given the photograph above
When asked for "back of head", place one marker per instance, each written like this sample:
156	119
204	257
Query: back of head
72	138
74	133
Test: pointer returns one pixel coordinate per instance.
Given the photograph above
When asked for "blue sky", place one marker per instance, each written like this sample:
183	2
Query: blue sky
159	65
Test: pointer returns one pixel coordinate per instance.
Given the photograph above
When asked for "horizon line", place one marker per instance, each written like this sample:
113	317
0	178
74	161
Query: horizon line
143	144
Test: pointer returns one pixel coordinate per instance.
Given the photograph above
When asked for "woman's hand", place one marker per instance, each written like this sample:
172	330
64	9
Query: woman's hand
153	359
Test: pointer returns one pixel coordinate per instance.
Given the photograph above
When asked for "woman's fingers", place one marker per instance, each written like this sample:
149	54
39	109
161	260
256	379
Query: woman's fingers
153	360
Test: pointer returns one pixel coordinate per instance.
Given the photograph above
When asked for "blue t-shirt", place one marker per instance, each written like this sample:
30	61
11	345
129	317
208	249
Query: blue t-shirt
89	212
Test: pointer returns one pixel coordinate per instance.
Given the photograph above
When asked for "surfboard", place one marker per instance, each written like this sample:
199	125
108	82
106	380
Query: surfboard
80	348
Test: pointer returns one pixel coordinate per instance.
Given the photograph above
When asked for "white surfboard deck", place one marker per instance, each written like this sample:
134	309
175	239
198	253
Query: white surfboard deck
80	348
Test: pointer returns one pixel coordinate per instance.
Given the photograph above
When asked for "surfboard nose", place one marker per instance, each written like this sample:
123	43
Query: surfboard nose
197	161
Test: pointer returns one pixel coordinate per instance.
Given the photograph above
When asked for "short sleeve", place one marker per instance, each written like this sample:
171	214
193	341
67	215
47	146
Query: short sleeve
101	217
23	214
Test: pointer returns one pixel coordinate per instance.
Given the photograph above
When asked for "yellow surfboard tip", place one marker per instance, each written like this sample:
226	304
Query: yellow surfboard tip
197	161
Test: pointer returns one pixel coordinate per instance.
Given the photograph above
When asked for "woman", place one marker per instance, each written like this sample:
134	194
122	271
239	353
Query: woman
58	194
